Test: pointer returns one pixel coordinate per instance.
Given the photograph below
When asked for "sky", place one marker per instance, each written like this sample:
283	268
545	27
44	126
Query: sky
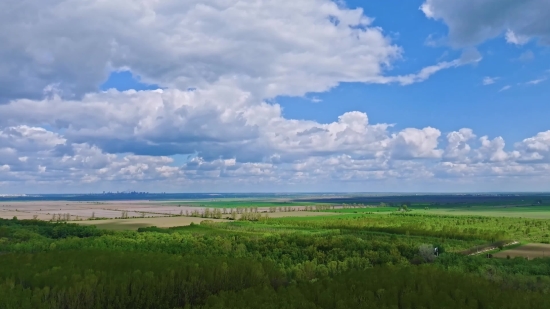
274	96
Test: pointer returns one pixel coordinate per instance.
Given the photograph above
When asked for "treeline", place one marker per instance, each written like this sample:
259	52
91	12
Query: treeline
24	230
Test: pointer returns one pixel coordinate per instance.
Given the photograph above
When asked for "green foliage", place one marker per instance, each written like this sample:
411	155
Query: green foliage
341	261
98	279
410	287
410	224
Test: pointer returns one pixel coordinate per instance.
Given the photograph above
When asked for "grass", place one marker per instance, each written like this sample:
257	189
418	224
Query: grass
533	212
363	210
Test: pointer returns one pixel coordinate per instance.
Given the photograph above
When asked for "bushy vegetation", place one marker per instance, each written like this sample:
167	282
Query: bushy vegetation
450	227
347	261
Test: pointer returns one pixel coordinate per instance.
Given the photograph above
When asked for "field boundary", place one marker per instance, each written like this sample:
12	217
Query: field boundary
489	247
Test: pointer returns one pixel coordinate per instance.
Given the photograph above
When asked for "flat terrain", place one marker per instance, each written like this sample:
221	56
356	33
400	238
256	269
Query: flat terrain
230	203
113	209
530	251
300	214
533	212
143	213
135	223
363	210
45	210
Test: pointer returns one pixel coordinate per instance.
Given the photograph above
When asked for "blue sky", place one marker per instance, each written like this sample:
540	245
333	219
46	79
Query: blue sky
452	100
277	96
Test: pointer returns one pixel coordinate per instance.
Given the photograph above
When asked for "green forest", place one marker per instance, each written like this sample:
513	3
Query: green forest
363	260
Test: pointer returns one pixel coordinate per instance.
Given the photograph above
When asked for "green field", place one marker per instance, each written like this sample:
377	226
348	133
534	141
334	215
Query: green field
534	212
364	210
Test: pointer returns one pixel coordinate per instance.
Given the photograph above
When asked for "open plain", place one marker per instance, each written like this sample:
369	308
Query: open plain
136	214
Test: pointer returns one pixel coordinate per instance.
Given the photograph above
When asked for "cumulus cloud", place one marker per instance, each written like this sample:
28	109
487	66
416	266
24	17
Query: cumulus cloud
458	148
272	47
492	150
471	22
415	143
221	122
220	64
285	151
29	139
269	48
535	148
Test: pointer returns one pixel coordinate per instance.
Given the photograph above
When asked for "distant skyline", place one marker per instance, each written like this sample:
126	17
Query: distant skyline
213	96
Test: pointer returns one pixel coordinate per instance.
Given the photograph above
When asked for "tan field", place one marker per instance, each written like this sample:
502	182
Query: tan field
529	251
108	210
134	224
7	214
86	210
107	214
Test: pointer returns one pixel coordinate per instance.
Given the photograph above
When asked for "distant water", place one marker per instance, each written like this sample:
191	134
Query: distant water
154	196
519	198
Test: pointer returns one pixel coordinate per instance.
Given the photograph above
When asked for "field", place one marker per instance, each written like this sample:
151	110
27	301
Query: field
46	210
165	222
235	203
529	251
534	212
135	223
275	254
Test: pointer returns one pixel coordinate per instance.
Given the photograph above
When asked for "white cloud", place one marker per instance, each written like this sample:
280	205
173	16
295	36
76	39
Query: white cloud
271	47
219	122
57	131
512	38
505	88
415	143
285	151
471	22
489	80
458	148
492	150
535	148
29	139
536	81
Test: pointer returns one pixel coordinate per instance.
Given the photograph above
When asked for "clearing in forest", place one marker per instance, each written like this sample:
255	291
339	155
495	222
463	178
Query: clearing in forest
529	251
